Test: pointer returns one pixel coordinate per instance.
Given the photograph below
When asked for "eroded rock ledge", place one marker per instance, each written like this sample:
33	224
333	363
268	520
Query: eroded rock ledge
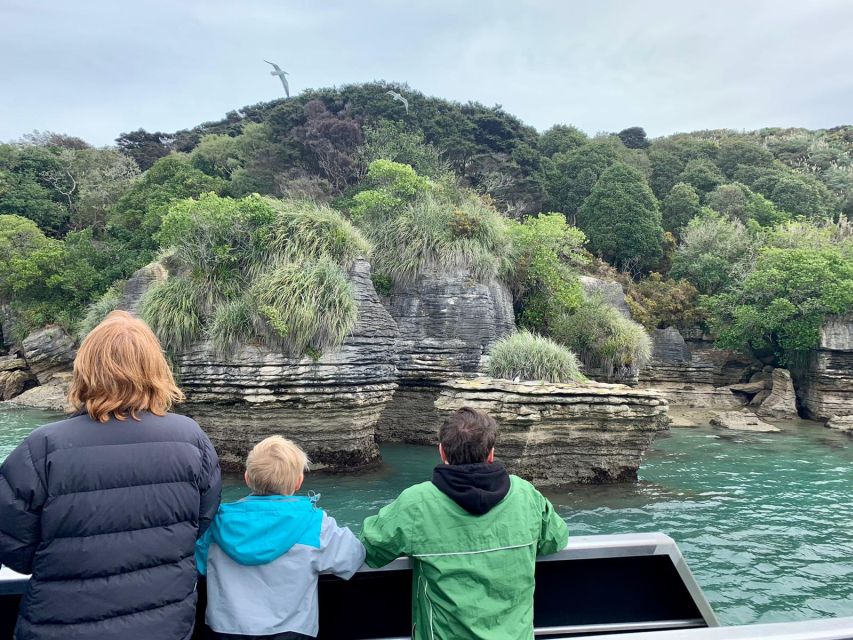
558	434
329	406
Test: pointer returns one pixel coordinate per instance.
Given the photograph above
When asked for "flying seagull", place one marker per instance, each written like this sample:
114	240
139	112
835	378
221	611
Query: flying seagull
278	72
399	98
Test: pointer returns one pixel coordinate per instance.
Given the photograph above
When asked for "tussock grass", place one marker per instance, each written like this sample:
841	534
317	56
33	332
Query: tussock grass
173	311
99	310
603	338
434	231
306	306
529	356
233	323
304	229
256	270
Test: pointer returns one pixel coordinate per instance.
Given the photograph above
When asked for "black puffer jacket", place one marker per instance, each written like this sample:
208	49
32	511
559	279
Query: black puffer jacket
105	517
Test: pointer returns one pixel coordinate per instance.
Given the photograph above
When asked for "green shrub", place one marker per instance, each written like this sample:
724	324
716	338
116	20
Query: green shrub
529	356
546	254
603	338
99	310
306	305
715	253
657	303
782	304
173	311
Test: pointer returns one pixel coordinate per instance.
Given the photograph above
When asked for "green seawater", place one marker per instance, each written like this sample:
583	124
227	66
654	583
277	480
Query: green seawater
765	521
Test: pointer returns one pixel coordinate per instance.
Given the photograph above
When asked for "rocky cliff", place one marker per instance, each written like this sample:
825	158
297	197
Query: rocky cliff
825	384
557	434
447	321
329	406
693	373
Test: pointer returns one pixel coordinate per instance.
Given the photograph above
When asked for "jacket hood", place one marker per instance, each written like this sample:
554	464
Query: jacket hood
258	529
474	487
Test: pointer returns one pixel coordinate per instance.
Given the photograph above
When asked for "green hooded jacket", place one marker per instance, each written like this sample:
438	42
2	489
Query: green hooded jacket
473	575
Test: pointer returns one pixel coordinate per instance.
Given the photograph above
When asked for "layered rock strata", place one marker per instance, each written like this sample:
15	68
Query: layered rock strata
329	406
15	378
48	352
825	385
693	373
558	434
742	421
447	321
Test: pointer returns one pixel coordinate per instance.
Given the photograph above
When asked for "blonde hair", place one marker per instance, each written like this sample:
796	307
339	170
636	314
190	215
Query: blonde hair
120	370
274	466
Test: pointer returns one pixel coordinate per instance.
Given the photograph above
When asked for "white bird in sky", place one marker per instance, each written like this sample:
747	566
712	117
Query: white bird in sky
399	98
280	73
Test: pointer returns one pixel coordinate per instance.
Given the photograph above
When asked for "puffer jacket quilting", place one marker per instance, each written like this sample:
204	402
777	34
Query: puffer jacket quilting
105	517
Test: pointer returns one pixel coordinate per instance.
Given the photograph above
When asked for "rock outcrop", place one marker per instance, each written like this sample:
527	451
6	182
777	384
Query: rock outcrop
447	320
52	396
825	384
329	406
139	283
558	434
15	378
742	421
611	291
841	423
781	401
48	352
693	373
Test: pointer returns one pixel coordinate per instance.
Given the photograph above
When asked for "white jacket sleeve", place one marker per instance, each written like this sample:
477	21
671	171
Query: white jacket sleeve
340	551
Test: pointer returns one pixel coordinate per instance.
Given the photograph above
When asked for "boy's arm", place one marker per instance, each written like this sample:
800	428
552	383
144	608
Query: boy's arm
554	534
384	535
340	551
22	495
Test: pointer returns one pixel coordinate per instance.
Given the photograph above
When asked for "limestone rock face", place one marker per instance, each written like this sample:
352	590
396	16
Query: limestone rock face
611	291
448	320
139	283
15	378
557	434
52	396
49	351
841	423
825	385
691	372
329	406
742	421
781	402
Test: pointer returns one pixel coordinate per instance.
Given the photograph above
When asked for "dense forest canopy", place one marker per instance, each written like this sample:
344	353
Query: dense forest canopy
742	233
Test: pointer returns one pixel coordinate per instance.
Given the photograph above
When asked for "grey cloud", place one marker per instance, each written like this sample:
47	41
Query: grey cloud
97	68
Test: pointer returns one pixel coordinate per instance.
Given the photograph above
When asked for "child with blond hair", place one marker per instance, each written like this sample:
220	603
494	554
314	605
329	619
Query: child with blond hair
262	555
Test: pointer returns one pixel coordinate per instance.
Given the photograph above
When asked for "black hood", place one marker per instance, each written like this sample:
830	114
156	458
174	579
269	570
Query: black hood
474	487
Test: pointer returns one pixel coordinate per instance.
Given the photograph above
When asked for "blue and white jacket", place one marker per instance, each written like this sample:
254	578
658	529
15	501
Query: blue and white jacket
262	556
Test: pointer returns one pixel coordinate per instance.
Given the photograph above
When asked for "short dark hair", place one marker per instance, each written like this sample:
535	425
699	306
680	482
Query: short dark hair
468	436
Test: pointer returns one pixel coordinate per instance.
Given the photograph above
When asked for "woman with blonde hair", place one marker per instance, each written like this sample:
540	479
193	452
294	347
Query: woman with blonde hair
104	508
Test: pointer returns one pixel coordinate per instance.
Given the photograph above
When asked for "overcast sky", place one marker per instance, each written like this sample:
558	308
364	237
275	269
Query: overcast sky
96	68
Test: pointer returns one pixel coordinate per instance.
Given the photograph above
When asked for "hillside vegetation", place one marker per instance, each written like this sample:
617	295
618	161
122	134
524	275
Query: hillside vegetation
744	233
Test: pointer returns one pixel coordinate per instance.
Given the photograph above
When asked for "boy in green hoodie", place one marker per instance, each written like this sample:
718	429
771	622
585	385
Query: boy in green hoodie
262	555
473	534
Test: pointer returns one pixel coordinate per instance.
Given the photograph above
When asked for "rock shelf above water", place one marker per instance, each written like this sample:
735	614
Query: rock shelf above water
558	434
329	406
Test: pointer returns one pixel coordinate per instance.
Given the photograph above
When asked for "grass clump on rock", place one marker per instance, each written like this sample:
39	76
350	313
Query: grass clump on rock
603	338
99	310
255	270
528	356
416	224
